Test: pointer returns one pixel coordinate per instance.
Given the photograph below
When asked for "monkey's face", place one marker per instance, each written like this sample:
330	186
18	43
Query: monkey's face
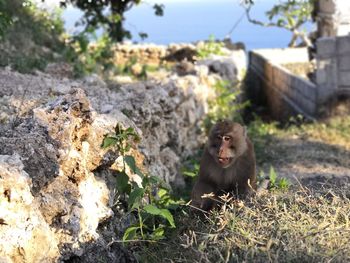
227	141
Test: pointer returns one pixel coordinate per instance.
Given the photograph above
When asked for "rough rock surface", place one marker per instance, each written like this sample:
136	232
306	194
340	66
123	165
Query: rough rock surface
25	236
57	184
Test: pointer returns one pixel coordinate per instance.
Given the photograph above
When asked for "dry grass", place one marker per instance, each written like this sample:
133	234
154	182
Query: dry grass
301	225
310	222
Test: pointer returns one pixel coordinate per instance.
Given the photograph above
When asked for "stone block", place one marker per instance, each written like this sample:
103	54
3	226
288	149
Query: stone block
306	88
344	63
344	78
308	106
324	91
343	45
344	90
326	47
321	76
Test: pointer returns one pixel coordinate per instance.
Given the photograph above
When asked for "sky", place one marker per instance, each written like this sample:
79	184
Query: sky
194	20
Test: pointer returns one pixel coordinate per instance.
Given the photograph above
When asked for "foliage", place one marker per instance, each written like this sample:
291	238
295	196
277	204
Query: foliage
210	47
275	182
30	35
287	14
108	15
261	133
225	105
152	210
88	57
5	19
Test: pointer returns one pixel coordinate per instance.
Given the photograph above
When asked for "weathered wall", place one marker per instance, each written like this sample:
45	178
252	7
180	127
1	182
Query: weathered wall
333	67
284	92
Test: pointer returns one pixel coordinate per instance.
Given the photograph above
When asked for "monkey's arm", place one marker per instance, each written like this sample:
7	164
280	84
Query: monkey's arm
200	188
246	169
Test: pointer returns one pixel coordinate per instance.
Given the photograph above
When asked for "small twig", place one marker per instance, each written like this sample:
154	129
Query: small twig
301	186
134	241
189	204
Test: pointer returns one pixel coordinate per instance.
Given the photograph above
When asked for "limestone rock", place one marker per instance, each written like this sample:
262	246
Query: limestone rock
230	67
25	236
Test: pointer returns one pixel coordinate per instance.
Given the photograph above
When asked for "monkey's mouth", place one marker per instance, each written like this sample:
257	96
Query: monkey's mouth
224	161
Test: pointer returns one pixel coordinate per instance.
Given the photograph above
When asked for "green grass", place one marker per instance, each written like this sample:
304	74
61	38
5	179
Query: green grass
308	222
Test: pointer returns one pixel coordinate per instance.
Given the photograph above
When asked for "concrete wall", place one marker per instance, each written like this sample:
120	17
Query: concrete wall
285	93
333	67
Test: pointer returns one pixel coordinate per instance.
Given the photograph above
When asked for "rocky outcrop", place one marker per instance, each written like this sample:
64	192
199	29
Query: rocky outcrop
25	236
49	181
58	184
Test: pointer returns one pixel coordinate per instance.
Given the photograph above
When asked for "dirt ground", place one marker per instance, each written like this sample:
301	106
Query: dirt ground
318	151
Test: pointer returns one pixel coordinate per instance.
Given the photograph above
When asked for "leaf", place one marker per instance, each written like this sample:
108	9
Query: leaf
273	176
158	233
162	192
165	213
158	9
108	141
130	233
189	174
283	183
123	185
152	210
168	216
130	161
135	197
143	35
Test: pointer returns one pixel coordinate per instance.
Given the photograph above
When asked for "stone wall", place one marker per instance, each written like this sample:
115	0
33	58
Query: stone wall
284	92
145	54
333	66
333	17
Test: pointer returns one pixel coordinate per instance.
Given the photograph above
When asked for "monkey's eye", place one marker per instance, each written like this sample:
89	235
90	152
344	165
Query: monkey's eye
227	138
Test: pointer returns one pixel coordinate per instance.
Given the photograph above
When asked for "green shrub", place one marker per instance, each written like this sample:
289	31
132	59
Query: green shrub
210	47
225	105
153	211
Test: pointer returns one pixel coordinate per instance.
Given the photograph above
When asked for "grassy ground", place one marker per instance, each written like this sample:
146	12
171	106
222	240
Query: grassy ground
309	222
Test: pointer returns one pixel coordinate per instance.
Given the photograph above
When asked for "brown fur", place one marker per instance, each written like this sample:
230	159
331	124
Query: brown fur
227	165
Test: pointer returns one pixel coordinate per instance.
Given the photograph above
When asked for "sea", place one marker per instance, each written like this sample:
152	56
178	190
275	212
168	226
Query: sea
194	20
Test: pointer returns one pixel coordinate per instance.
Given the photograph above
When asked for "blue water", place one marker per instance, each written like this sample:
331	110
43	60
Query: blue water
193	20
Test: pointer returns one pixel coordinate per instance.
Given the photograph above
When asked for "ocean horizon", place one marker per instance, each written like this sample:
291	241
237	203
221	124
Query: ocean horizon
194	20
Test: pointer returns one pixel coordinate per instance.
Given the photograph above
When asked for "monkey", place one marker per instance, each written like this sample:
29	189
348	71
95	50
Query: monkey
227	165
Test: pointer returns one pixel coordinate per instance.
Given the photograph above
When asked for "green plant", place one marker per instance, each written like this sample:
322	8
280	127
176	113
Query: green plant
210	47
5	19
277	183
152	210
225	105
31	36
87	56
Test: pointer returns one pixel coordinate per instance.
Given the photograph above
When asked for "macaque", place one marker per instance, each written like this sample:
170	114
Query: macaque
227	165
